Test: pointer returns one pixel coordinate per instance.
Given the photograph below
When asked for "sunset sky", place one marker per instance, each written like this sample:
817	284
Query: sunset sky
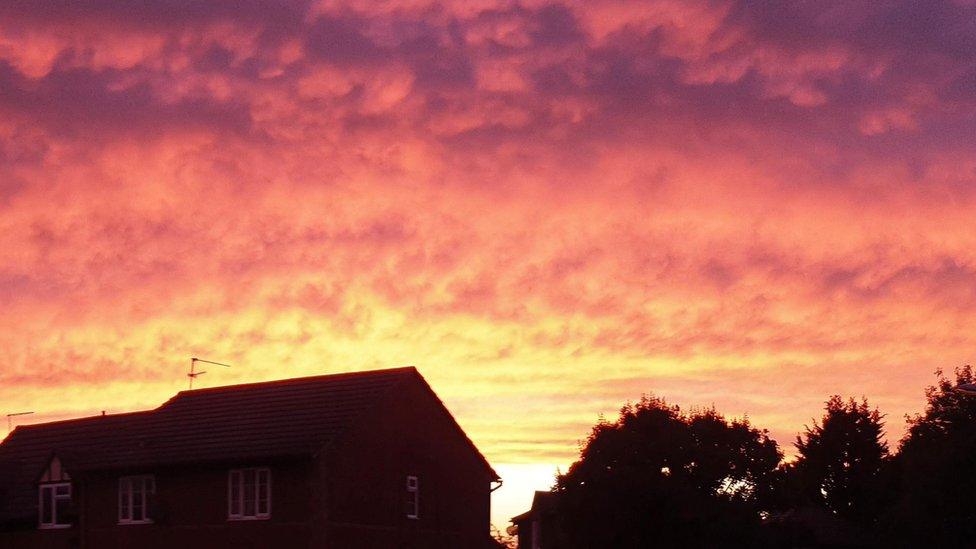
548	208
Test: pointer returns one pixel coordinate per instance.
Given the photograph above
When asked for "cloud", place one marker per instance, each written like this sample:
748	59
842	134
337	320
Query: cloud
550	208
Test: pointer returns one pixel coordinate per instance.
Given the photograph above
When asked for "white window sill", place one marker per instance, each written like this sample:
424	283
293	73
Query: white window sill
127	522
261	517
53	526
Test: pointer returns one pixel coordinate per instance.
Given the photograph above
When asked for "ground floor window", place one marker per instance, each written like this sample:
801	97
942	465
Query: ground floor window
413	497
136	496
249	493
55	505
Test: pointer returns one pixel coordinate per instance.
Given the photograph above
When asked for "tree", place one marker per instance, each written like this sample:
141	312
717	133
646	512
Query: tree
501	540
841	462
661	477
937	465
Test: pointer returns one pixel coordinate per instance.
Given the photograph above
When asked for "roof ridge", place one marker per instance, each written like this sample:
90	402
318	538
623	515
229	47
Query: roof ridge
291	380
221	388
80	419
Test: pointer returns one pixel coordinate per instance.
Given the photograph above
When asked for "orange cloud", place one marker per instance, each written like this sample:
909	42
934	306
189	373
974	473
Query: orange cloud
549	209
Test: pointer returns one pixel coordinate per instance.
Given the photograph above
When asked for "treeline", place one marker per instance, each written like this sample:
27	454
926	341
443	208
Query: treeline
660	476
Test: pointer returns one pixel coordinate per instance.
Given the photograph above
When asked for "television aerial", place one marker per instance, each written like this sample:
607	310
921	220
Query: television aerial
14	415
192	374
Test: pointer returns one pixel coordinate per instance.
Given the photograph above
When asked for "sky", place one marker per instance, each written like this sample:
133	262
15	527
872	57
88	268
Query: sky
549	208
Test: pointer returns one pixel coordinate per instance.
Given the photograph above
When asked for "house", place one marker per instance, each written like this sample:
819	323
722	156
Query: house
538	528
812	526
365	459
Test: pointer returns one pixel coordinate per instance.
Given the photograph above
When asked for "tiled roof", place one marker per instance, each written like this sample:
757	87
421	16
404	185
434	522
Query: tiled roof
278	418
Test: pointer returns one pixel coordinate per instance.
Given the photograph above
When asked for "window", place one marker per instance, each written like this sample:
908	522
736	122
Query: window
249	494
55	503
136	495
413	497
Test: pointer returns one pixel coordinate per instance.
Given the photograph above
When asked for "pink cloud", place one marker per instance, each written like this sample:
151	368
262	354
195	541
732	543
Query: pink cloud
551	209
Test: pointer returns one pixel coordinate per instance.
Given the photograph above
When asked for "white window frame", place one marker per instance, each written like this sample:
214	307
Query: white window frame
239	474
413	491
55	497
126	491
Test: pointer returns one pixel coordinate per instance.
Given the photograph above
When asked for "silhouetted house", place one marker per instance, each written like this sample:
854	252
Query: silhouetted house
538	528
812	527
367	459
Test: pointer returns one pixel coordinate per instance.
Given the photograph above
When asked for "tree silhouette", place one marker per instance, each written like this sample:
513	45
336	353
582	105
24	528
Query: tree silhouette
661	477
841	461
937	464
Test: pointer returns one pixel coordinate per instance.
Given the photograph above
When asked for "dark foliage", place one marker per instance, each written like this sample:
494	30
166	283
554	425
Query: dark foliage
658	477
842	462
936	506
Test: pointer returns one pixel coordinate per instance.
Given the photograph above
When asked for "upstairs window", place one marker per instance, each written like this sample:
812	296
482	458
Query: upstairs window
54	496
55	505
136	495
413	497
249	494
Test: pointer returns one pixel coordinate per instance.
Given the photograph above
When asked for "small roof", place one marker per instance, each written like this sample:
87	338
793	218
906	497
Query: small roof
292	417
967	388
543	503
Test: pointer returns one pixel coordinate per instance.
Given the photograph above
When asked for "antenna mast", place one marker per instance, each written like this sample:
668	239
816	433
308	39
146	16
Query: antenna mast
193	373
13	415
